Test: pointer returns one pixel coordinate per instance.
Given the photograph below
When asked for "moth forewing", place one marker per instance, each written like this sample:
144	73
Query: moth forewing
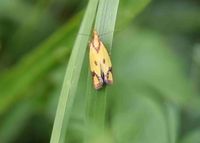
106	65
95	68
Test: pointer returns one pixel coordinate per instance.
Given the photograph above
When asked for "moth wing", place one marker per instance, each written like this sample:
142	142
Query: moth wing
95	68
106	65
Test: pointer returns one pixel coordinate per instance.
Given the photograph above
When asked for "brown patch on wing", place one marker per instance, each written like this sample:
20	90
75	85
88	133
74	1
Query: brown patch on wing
107	76
104	61
95	62
97	81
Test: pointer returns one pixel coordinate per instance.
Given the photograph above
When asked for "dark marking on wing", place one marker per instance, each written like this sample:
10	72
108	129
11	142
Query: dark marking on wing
95	62
110	70
94	74
104	61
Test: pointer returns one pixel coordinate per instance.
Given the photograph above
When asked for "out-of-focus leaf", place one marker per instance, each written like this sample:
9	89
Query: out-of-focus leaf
184	15
36	64
144	66
191	137
139	119
172	117
128	10
15	121
142	60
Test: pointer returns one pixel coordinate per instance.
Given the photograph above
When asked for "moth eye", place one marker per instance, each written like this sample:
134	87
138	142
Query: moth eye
95	62
104	61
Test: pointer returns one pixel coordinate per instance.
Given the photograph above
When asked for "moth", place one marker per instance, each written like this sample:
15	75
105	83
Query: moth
100	63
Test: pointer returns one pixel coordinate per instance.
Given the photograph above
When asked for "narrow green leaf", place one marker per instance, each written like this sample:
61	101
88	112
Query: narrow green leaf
72	75
105	23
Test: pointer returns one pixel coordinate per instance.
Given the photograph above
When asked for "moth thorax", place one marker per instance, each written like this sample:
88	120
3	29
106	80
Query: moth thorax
96	43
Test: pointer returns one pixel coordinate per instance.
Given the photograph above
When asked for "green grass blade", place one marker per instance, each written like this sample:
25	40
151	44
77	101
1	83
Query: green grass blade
106	19
72	75
105	23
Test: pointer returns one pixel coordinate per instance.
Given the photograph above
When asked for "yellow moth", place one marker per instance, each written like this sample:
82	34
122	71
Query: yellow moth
100	64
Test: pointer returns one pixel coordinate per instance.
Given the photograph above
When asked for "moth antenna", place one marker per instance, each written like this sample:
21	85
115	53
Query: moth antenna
109	32
83	34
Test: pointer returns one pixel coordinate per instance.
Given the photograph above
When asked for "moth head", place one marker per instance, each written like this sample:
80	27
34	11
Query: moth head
95	35
95	40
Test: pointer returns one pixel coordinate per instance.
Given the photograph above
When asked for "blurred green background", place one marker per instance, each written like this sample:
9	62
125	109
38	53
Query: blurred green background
155	56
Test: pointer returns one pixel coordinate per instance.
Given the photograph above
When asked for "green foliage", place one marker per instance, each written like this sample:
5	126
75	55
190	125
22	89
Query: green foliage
154	47
192	137
72	76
